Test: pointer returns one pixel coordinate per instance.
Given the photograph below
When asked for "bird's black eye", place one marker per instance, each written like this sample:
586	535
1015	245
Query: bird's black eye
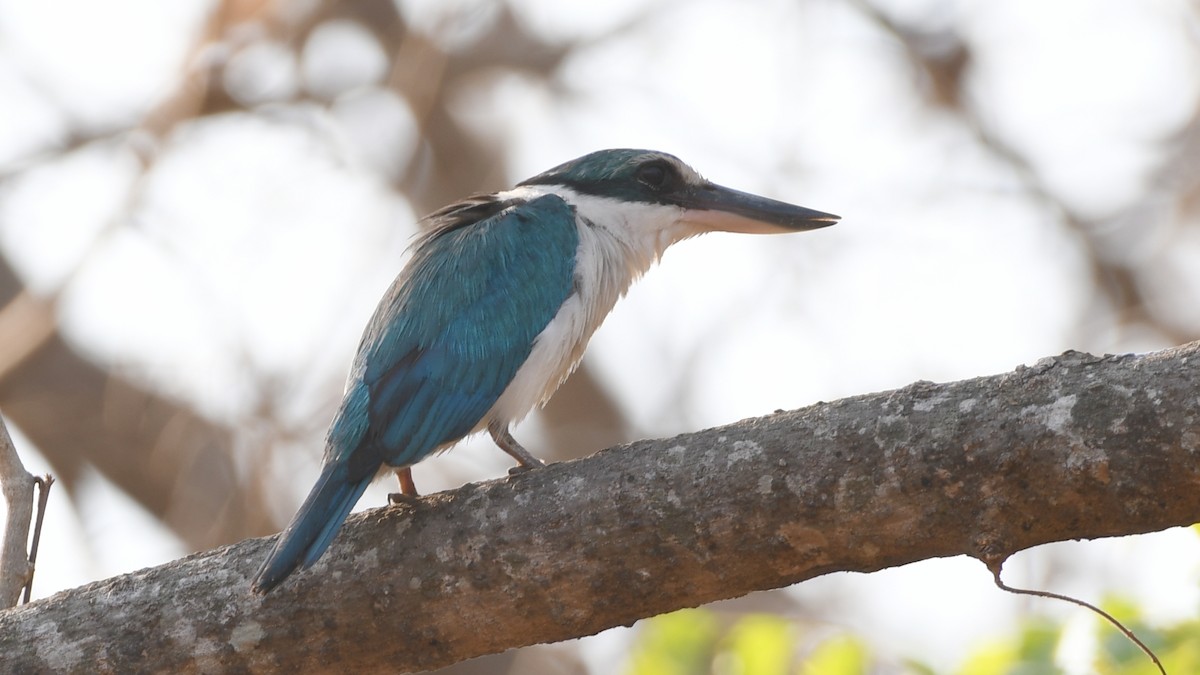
654	174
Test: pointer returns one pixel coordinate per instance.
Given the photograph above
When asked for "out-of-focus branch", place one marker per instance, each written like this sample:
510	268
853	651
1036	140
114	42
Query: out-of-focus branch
173	461
1073	447
167	457
17	486
177	464
942	60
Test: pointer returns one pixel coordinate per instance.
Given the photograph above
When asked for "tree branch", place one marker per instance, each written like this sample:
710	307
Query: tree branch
17	486
1073	447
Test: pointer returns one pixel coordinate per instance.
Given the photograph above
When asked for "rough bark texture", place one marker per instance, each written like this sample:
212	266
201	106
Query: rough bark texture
1072	447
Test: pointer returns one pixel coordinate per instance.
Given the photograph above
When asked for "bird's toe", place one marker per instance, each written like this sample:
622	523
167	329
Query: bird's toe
398	498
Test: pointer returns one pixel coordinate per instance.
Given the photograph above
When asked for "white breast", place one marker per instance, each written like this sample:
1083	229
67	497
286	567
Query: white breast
618	241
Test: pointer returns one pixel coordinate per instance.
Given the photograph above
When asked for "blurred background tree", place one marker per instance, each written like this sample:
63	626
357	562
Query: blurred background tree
201	201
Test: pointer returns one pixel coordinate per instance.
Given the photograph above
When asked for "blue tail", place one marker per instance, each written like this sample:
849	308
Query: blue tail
312	530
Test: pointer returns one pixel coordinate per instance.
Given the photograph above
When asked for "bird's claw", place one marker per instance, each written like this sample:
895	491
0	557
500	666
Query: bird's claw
525	468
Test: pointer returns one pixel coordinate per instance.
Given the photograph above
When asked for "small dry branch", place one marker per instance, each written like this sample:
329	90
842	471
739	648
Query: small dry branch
16	570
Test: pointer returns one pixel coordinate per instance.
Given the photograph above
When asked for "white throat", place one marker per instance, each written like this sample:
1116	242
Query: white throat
618	242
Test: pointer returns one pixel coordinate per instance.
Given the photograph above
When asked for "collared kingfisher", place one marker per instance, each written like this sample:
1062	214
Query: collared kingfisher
493	311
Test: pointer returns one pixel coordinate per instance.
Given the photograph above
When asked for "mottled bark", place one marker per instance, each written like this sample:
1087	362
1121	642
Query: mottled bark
1072	447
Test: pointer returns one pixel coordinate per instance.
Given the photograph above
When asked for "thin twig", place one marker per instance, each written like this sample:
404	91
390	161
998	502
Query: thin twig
43	483
995	569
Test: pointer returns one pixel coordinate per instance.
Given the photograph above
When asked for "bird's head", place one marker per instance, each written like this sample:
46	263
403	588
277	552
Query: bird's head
658	179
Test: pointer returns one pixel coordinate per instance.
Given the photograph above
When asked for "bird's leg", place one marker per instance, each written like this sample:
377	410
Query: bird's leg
507	443
408	489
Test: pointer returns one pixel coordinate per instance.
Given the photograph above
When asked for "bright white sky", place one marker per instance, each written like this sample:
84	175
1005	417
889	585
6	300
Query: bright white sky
257	247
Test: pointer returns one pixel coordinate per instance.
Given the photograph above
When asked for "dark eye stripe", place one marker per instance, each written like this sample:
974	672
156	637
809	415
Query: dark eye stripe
657	174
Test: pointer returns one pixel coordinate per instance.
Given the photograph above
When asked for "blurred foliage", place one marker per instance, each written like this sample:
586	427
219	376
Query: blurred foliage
679	643
695	641
1031	652
840	655
1177	645
704	642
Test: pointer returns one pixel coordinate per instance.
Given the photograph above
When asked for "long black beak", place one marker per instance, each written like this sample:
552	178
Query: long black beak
715	208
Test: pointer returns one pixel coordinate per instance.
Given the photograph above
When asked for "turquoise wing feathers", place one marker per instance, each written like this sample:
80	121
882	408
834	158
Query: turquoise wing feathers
444	343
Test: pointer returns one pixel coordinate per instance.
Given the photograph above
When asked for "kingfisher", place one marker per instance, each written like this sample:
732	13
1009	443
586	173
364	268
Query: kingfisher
493	311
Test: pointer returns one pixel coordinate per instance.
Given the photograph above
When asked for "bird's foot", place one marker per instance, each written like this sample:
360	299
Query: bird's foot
525	468
400	498
508	444
408	489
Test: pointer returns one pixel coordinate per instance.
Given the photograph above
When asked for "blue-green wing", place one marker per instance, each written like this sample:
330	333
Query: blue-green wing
454	329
